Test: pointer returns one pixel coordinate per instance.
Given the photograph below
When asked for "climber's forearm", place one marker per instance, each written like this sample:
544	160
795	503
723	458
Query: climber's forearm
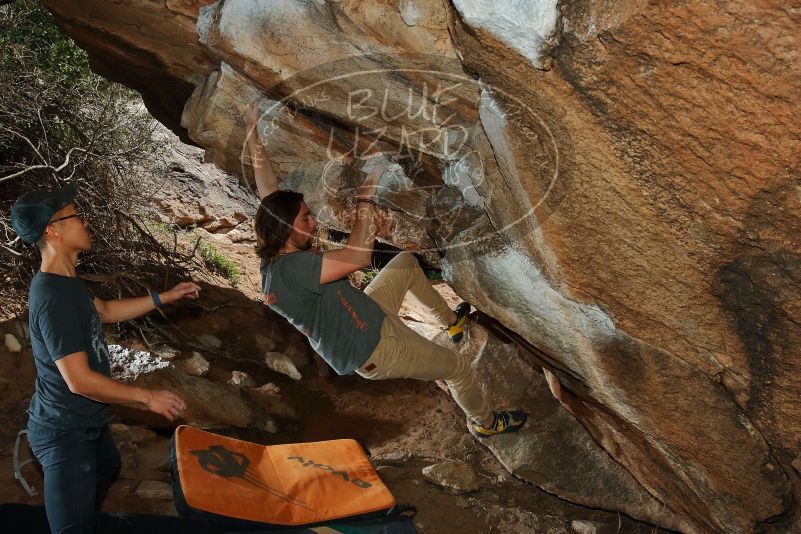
362	236
266	181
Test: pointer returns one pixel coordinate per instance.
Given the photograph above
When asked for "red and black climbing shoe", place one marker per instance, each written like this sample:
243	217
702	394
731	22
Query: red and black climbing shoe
504	423
456	330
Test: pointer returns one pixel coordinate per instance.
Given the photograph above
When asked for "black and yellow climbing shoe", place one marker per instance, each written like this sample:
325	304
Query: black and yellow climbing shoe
456	330
505	422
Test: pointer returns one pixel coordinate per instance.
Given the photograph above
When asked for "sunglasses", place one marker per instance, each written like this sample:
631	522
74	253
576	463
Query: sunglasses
67	217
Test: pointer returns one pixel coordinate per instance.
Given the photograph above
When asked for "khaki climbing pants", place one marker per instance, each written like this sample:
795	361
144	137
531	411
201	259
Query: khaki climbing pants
403	353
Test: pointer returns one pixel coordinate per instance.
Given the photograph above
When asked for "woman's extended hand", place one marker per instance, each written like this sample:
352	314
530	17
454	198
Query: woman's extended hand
188	290
165	403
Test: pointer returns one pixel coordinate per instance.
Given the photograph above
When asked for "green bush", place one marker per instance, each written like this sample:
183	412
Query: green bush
369	274
217	262
433	274
61	123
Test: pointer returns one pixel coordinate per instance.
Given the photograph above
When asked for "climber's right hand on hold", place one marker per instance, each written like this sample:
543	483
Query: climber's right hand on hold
369	187
252	114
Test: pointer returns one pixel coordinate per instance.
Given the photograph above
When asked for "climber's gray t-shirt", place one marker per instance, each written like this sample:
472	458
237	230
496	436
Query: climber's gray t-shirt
63	320
342	323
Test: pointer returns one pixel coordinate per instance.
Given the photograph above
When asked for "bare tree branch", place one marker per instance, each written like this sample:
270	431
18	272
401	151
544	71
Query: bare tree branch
39	167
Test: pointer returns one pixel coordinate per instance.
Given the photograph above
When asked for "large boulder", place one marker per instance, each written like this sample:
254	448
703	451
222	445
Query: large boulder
553	450
208	405
615	182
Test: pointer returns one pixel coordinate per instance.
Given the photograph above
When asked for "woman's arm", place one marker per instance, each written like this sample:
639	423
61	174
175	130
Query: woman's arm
116	311
82	380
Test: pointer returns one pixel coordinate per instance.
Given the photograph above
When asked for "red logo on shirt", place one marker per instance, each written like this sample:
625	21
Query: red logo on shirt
270	299
360	325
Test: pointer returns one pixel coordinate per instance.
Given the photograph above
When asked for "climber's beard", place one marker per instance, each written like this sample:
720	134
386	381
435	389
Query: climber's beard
307	244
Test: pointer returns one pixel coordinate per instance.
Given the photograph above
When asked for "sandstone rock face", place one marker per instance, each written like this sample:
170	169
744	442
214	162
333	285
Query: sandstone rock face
618	185
208	405
553	450
192	192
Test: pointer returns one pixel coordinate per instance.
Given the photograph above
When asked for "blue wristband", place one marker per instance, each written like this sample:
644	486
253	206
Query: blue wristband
156	300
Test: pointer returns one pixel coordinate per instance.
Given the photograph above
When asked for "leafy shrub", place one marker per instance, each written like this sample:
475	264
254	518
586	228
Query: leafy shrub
61	123
217	261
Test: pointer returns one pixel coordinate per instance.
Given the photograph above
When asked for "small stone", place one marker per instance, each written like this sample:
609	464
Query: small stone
241	379
394	458
269	398
457	477
154	490
12	344
298	354
120	432
269	389
210	341
140	434
264	343
197	365
238	236
266	425
281	363
580	526
154	457
169	353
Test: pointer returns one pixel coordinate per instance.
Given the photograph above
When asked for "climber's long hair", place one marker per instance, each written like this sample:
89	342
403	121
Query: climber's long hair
274	220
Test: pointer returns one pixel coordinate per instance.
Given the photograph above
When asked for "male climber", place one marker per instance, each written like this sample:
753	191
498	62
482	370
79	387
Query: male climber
354	330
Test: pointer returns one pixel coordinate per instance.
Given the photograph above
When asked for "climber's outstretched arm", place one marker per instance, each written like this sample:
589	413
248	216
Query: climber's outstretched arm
266	181
358	251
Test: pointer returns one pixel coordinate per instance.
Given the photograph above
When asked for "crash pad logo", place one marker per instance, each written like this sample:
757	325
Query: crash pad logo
225	463
331	470
452	147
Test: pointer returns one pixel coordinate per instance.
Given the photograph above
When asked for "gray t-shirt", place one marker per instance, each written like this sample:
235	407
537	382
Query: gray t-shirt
342	323
63	320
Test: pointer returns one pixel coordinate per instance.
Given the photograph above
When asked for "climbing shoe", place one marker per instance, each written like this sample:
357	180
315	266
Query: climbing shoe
456	330
505	422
